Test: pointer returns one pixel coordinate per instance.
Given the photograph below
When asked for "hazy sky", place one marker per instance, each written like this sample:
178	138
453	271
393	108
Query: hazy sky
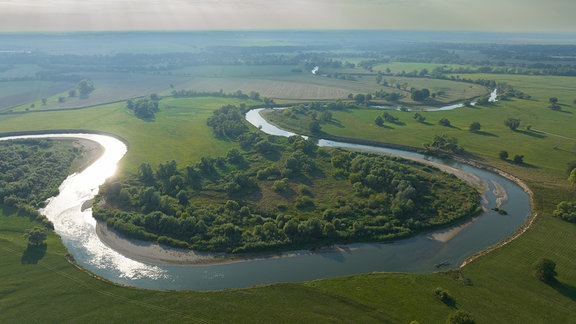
482	15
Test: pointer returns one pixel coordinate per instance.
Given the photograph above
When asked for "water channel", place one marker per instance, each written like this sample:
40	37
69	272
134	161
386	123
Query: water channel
422	253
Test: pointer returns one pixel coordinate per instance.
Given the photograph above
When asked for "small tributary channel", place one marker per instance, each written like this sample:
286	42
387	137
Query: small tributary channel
422	253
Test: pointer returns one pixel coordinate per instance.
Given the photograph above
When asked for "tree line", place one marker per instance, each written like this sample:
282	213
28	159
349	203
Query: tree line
31	171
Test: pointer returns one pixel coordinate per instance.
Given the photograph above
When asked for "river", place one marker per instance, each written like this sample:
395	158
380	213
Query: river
492	98
420	253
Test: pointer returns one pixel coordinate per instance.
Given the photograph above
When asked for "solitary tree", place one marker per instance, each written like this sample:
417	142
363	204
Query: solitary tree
518	159
85	87
444	122
512	123
419	117
420	95
379	121
35	236
315	127
503	155
545	270
360	98
460	317
475	126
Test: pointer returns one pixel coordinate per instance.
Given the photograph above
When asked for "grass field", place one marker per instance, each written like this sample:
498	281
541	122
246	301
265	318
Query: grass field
179	133
502	288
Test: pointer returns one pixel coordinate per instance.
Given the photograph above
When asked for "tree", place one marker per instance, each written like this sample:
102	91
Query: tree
35	236
315	127
512	123
460	317
554	103
44	101
85	87
72	93
545	270
503	155
518	159
326	116
444	122
360	98
444	143
143	108
475	126
379	121
572	177
419	95
566	211
419	117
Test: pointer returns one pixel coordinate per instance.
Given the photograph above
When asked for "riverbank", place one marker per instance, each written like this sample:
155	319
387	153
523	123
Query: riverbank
152	252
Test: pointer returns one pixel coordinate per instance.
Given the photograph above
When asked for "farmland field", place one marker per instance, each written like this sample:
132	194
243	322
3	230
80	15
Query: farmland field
14	93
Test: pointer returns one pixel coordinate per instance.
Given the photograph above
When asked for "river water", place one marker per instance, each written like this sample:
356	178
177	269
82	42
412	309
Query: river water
421	253
492	98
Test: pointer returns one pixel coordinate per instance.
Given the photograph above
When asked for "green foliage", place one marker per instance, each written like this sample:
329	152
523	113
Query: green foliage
228	122
503	155
360	98
419	117
475	126
216	206
566	210
314	127
144	108
31	172
389	117
442	144
85	87
545	270
460	317
518	159
35	236
444	122
512	123
572	177
444	296
420	95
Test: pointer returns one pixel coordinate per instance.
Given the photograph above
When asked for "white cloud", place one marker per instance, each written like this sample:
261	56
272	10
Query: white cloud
515	15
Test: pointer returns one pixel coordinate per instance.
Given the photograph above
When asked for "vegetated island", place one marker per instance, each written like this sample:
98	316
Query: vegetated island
281	194
31	171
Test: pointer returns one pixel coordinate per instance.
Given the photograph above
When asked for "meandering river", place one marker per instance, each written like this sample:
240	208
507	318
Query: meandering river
422	253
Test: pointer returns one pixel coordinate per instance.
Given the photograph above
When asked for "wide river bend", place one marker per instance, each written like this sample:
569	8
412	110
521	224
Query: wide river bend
422	253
